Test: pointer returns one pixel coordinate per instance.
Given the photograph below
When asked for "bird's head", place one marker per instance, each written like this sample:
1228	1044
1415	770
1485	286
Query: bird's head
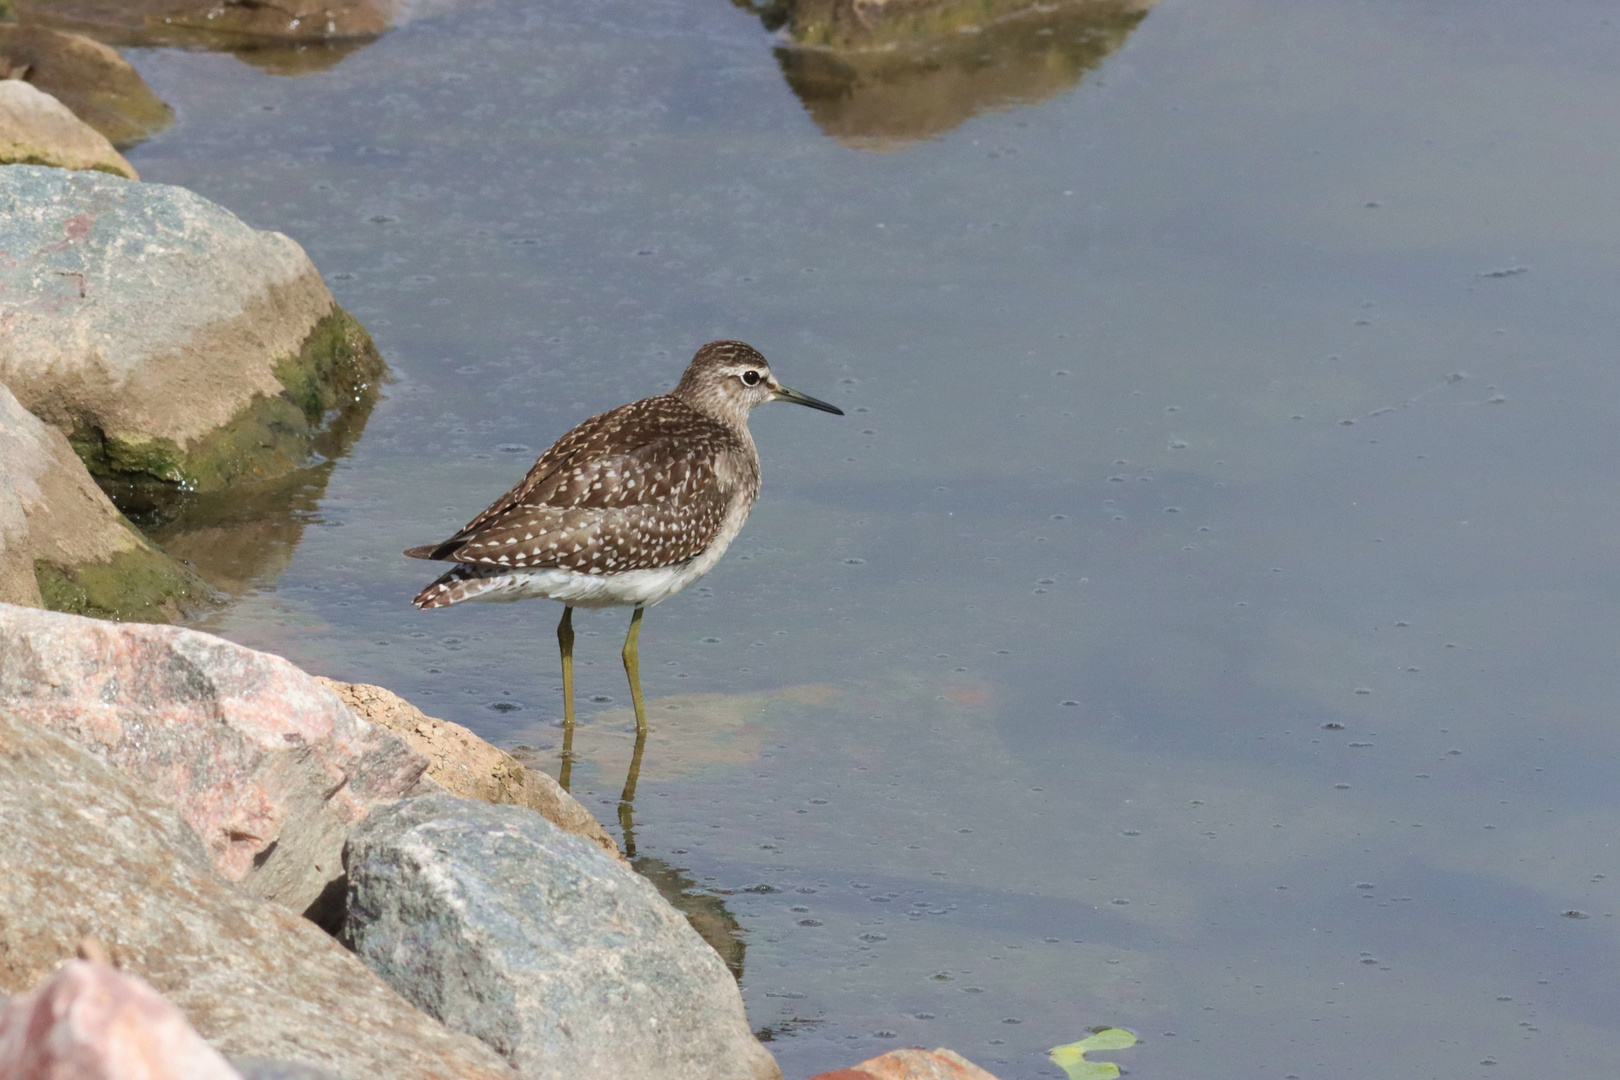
726	379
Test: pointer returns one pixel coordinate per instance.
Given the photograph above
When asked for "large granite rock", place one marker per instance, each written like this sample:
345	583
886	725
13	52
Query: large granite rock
467	766
169	340
36	129
572	966
85	849
92	1022
268	766
88	77
62	542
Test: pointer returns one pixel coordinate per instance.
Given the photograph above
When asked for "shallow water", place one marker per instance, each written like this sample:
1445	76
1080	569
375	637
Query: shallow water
1204	621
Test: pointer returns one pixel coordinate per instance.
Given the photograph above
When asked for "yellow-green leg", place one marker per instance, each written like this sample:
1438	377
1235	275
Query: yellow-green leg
565	645
632	669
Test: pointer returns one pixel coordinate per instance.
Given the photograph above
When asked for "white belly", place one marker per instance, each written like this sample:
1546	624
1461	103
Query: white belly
628	588
632	588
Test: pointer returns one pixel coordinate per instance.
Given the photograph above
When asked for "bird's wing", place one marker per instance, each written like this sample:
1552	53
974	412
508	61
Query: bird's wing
597	539
618	492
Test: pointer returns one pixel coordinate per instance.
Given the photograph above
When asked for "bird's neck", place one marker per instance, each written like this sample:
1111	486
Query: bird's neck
721	408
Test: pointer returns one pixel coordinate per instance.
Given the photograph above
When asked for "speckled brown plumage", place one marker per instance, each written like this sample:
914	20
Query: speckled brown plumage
644	486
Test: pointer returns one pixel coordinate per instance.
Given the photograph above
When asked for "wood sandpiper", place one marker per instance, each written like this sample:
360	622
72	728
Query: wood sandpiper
625	510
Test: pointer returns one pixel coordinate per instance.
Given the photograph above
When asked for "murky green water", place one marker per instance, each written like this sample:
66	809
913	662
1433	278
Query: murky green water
1203	622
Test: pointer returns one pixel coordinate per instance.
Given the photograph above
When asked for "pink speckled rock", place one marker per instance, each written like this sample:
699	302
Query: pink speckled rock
939	1064
92	1022
269	767
88	852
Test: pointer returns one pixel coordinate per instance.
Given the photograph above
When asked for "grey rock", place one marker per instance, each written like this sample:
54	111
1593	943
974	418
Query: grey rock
61	537
36	129
167	339
85	850
267	765
541	944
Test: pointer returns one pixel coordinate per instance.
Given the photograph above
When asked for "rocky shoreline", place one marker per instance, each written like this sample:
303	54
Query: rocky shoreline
214	865
184	801
262	871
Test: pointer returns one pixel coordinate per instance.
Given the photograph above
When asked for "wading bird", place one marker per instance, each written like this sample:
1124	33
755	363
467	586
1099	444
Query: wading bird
625	510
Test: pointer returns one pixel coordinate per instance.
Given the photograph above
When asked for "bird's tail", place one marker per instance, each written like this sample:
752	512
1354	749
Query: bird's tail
463	582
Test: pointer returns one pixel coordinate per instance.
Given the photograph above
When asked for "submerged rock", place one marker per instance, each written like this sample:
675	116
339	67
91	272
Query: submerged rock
268	766
64	545
36	129
85	849
92	1021
88	77
171	342
568	963
467	766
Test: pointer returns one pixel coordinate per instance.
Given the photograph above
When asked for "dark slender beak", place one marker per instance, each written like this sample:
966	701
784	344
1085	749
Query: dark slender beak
784	394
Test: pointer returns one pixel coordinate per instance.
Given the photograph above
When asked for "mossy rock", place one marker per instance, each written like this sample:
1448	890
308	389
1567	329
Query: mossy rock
139	585
335	375
90	78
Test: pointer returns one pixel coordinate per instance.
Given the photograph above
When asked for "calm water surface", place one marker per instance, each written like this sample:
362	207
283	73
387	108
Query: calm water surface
1204	620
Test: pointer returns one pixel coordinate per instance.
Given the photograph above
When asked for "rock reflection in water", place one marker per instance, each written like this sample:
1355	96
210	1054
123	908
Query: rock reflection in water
302	58
880	75
243	538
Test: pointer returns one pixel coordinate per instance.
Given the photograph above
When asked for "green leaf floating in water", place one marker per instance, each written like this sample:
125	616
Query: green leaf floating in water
1072	1058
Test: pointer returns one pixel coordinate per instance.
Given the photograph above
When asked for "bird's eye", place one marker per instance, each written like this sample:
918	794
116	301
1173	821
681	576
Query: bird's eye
750	378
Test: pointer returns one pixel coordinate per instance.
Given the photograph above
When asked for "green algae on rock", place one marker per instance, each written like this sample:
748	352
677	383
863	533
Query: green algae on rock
334	374
175	345
63	544
141	584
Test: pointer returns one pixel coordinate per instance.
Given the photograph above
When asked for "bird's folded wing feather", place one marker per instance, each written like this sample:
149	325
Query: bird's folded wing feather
596	540
637	507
